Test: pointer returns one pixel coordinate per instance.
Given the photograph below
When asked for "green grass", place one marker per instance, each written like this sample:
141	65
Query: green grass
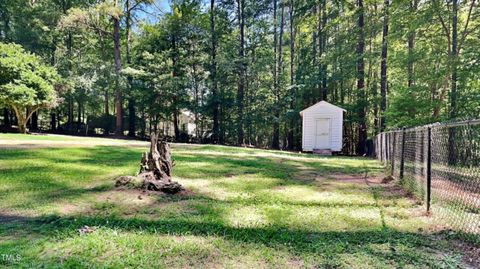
245	208
28	137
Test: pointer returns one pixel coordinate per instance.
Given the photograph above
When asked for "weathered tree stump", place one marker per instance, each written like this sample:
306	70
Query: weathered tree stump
155	169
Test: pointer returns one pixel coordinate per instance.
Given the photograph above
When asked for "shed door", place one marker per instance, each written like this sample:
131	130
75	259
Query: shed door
322	133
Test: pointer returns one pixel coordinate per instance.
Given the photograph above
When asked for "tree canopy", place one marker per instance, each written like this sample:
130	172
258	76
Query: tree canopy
244	68
26	83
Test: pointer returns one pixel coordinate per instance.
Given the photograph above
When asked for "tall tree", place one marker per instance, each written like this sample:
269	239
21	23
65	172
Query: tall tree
277	70
5	17
293	88
26	84
241	70
131	98
361	102
433	74
322	42
130	7
454	46
454	59
383	68
213	75
413	5
118	69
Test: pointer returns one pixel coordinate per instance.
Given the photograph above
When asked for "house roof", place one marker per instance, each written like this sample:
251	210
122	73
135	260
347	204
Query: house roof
322	103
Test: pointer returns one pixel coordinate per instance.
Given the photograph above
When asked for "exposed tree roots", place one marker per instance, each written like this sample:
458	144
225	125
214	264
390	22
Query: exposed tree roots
155	170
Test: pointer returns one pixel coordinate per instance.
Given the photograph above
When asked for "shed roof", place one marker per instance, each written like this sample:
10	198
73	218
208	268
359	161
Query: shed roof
321	103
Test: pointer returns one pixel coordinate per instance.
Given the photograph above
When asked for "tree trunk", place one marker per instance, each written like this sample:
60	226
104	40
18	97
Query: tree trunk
221	118
383	71
70	113
323	50
22	125
318	81
144	123
452	156
118	69
176	128
290	136
79	114
310	97
106	104
131	117
155	170
158	160
411	46
276	91
53	121
213	76
454	59
280	63
241	66
34	121
131	98
6	117
321	33
175	71
376	115
361	102
6	24
22	119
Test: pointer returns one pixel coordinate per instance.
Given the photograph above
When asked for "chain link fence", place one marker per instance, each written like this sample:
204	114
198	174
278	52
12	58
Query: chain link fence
439	163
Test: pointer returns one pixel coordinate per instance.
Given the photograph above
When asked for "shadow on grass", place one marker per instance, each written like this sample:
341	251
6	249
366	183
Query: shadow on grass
96	165
36	177
208	165
51	175
401	246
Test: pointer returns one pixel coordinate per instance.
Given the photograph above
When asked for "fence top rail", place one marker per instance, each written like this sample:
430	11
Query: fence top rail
437	124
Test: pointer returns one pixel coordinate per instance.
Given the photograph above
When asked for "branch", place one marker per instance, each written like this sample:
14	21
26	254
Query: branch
31	110
99	30
446	29
465	29
137	3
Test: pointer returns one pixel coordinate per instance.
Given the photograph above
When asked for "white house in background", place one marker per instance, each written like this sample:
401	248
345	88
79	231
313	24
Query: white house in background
322	127
186	123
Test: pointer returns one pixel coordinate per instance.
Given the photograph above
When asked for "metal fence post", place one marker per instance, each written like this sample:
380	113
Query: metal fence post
429	167
402	158
387	148
393	152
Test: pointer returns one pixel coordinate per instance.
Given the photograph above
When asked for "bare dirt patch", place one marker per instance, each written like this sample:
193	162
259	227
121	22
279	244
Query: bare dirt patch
345	178
122	193
69	209
393	191
471	253
308	175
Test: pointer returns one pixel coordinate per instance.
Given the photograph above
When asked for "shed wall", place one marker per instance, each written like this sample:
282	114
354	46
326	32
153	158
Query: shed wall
336	126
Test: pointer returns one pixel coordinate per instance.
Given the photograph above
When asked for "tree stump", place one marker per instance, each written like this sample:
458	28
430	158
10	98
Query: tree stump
155	169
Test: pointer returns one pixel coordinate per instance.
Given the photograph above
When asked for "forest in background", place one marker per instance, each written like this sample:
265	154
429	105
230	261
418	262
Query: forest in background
245	68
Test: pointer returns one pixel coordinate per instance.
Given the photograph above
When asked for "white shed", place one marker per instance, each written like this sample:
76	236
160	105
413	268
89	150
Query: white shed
322	127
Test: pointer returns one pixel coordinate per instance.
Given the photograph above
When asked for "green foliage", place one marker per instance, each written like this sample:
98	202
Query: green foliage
409	107
168	64
104	122
25	82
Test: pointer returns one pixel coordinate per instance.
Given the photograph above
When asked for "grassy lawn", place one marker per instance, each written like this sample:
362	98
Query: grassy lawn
244	208
41	137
